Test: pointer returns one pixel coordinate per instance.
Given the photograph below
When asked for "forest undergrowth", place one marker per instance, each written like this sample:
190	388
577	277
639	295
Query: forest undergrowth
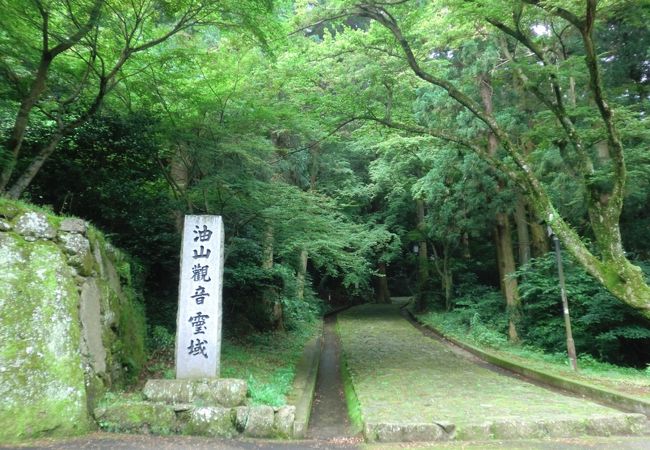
482	334
267	361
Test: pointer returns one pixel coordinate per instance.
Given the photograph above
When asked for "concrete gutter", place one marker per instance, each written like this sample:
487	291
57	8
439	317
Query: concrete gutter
616	399
304	384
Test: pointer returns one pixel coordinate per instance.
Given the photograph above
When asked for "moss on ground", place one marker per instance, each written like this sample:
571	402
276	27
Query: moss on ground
351	400
401	376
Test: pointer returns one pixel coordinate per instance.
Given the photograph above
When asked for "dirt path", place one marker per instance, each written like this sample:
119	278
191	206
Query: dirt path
329	416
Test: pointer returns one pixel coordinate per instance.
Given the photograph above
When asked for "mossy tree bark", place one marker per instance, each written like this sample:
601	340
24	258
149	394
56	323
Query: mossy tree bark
506	273
609	266
303	259
523	234
442	263
179	176
538	239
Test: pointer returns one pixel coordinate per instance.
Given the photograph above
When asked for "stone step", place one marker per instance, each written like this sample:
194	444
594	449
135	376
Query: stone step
213	421
224	392
605	425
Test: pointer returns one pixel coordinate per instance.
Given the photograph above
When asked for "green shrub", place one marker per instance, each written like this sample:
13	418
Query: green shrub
479	315
160	338
602	326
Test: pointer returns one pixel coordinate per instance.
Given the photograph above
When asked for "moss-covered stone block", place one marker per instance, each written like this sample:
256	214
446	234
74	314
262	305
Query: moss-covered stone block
140	417
211	421
9	209
64	338
225	392
526	429
34	225
260	422
283	422
611	425
41	374
228	392
408	432
73	225
79	254
168	391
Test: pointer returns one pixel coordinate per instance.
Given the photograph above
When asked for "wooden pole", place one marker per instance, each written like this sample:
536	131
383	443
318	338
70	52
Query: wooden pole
570	344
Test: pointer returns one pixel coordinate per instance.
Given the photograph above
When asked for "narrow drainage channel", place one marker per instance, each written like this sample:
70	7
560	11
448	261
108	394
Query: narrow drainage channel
329	415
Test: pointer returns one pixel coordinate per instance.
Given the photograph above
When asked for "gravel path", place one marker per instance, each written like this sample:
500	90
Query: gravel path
403	378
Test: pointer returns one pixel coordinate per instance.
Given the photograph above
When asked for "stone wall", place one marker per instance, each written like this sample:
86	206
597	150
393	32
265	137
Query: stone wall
70	324
204	407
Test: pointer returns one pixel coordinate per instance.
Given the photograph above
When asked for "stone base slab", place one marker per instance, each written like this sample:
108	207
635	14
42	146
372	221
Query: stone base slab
212	421
223	392
607	425
408	432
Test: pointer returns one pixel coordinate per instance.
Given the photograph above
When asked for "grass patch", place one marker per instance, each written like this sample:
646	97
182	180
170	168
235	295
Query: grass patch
267	361
351	399
630	381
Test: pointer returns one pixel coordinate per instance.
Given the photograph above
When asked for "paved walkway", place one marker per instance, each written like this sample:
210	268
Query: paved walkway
411	387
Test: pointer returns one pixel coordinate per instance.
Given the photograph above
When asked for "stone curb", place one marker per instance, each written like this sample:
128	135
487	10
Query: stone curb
615	399
304	384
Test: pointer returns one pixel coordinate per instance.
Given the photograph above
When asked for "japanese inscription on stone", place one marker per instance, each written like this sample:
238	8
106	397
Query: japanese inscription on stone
198	325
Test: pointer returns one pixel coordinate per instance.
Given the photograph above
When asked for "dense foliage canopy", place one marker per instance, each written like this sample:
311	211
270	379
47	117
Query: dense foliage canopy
355	150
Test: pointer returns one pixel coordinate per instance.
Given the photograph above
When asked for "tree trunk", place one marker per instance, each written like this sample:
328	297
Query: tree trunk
465	243
179	175
422	296
303	259
538	239
523	236
270	296
63	129
39	83
28	175
382	294
301	275
22	119
503	239
506	270
447	278
499	256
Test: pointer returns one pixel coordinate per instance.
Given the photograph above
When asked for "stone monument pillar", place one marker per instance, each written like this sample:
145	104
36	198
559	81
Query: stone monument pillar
198	324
